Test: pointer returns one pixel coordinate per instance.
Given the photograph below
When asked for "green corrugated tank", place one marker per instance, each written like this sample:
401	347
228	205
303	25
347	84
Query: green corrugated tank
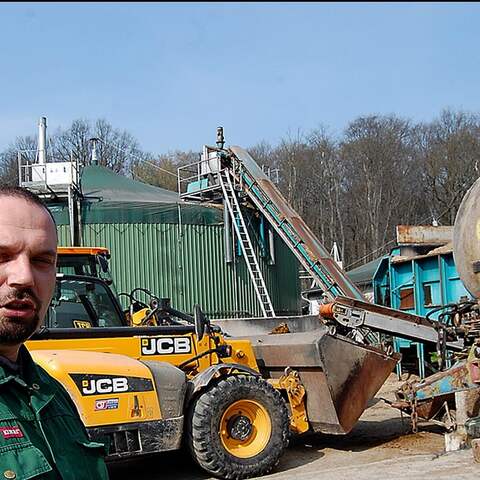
175	249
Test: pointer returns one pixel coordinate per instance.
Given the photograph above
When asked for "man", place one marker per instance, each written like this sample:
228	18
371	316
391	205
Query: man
41	434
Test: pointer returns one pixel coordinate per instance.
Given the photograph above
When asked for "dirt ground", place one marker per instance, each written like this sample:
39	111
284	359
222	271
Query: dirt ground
380	446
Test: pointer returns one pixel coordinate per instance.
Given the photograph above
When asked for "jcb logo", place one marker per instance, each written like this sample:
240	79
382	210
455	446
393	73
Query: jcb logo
104	385
95	384
166	345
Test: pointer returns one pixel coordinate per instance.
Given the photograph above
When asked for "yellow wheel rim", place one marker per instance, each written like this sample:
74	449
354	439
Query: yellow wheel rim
245	428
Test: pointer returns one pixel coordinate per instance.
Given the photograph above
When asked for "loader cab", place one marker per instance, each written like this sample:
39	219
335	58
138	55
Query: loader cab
86	261
83	302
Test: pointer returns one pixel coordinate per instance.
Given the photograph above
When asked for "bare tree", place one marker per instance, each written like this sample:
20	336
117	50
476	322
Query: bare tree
379	160
328	183
71	143
27	147
162	170
448	149
310	179
263	153
116	149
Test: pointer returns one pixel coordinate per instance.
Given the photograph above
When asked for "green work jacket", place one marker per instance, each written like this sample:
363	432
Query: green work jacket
41	434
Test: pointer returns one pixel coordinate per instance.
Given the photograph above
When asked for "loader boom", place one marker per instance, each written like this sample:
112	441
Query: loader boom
357	313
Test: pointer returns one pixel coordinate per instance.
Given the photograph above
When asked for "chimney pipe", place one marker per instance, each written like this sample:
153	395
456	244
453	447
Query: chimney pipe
42	140
220	137
94	159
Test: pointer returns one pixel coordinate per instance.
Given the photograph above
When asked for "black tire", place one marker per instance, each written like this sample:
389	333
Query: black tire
210	409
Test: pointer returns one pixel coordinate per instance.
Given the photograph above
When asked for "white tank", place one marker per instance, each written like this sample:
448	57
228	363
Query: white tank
466	240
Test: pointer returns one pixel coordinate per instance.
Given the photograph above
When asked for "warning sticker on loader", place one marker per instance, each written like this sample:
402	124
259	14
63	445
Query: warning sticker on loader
166	346
106	404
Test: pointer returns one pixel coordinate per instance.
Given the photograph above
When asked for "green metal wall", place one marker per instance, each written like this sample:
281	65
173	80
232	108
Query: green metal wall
186	263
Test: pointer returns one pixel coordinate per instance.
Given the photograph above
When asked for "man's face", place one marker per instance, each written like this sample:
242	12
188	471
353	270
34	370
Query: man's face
28	244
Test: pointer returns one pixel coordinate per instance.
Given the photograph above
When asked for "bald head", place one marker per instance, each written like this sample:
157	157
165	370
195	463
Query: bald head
28	244
27	195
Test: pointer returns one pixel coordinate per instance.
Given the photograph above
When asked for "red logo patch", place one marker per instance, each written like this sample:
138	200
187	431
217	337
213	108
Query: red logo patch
11	432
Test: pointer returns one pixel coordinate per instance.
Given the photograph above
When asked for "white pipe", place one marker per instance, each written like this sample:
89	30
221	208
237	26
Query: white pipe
42	140
94	151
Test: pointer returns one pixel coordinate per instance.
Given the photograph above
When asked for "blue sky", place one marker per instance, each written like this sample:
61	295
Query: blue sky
171	73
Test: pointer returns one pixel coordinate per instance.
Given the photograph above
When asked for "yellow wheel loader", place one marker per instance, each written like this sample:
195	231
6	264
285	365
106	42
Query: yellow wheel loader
150	389
121	376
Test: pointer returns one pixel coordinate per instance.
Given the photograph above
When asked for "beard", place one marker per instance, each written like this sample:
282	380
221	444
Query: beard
15	330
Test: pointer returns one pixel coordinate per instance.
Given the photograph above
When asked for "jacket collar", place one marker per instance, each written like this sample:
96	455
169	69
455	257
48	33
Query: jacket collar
24	370
9	366
10	370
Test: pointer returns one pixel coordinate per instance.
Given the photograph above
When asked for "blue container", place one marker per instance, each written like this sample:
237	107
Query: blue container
417	284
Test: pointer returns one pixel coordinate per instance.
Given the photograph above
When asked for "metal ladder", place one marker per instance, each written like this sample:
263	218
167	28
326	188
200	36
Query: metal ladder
231	202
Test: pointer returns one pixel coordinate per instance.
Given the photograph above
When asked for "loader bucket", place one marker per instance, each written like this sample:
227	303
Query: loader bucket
340	375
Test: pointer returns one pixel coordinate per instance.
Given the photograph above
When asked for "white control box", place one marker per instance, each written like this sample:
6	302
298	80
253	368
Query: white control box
59	173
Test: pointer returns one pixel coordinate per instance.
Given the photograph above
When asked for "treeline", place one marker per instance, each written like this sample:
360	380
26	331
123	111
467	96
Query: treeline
382	171
116	149
351	188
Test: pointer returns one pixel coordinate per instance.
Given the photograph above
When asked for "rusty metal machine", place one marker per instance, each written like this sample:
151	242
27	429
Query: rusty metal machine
433	398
